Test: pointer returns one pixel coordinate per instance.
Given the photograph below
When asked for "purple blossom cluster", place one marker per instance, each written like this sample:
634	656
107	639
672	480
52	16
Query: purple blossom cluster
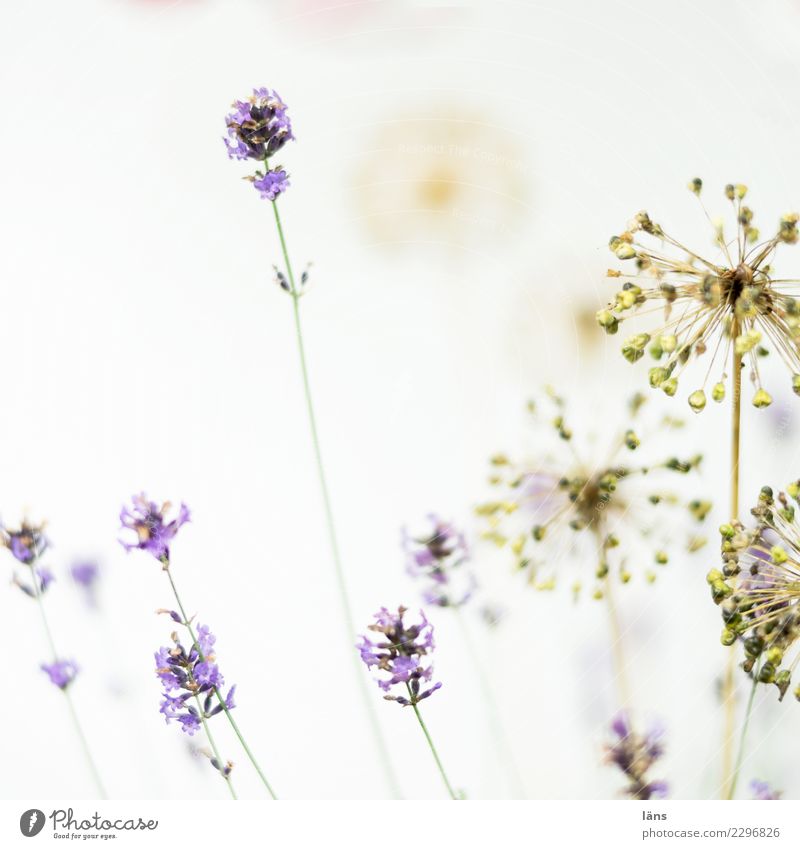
27	544
438	557
61	672
257	129
401	654
191	680
634	754
153	533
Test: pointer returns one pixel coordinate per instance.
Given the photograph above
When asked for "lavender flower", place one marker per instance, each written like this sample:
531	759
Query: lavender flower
401	655
634	754
257	127
188	675
86	574
27	544
271	184
153	533
61	672
763	792
437	556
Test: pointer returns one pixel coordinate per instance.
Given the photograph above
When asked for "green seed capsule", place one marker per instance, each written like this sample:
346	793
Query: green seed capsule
728	637
697	400
718	392
670	386
762	399
625	251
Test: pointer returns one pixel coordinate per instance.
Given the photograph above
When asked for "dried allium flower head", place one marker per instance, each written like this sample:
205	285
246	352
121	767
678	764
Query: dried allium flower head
438	556
402	654
758	588
257	129
547	507
153	533
634	754
61	672
191	679
27	544
708	306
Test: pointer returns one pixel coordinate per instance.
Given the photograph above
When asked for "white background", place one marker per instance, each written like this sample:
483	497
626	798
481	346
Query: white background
144	346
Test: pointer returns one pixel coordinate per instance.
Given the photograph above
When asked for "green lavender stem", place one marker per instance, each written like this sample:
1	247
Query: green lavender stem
435	754
740	756
217	693
214	748
341	583
498	732
70	705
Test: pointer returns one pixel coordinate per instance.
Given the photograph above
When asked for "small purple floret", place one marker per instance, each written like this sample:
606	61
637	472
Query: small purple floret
153	533
61	672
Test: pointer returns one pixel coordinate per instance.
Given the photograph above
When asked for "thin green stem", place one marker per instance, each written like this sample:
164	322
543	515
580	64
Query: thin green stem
333	541
217	693
729	678
502	742
87	752
743	737
217	757
435	754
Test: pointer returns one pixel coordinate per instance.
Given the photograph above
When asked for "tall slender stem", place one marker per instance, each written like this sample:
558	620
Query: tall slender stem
729	679
743	737
79	733
617	648
341	582
217	693
435	754
498	732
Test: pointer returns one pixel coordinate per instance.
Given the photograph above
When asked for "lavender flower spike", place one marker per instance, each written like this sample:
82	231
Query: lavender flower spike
401	655
437	556
186	674
153	533
61	672
634	754
257	127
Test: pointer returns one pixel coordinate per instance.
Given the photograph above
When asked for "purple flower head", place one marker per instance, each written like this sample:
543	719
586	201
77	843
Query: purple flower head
85	574
763	792
436	557
153	533
27	544
633	754
191	681
271	184
61	672
257	127
400	654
